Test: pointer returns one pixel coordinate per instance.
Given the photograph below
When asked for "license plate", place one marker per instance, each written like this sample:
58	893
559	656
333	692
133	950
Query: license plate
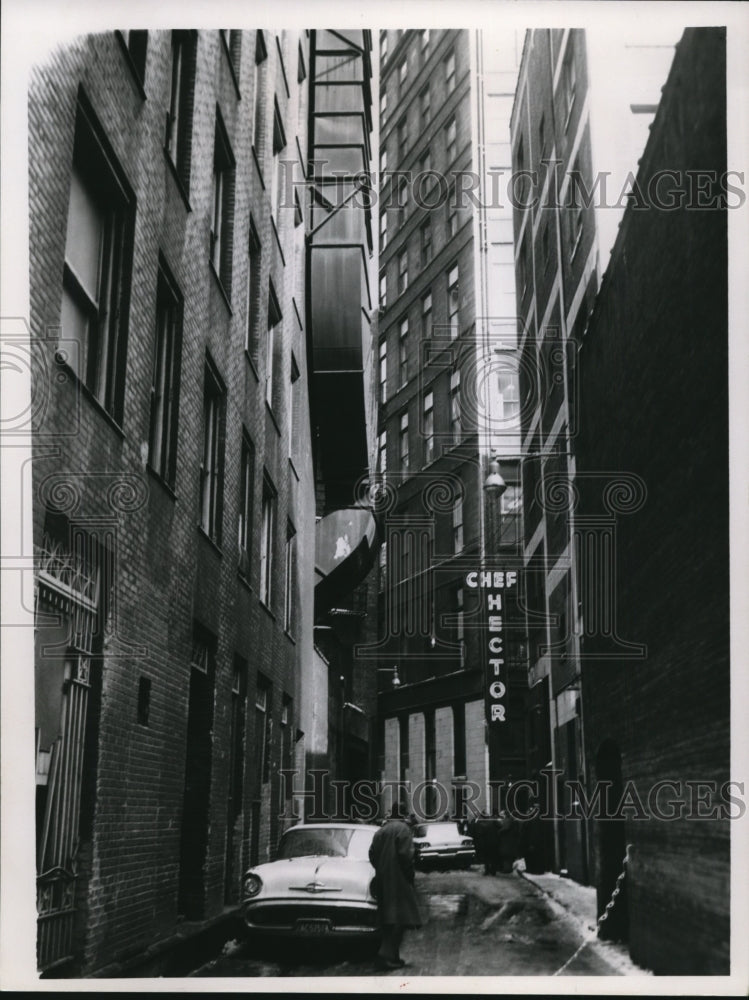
313	926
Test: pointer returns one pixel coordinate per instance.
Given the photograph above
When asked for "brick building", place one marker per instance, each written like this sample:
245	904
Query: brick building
653	367
569	125
448	397
177	462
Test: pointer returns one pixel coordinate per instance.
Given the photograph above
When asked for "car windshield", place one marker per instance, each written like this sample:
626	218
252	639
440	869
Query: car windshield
331	842
438	831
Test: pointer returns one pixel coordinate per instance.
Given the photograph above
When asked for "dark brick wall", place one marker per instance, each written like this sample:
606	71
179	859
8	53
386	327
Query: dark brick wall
654	403
168	574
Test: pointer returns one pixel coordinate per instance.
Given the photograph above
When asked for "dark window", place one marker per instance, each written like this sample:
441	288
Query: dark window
181	101
135	44
254	289
426	315
98	259
273	345
222	222
278	177
453	301
426	243
450	72
246	486
289	610
267	541
261	65
232	42
162	452
403	136
211	468
425	106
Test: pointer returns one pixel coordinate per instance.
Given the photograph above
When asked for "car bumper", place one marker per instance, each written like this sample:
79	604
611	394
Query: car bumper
305	920
465	854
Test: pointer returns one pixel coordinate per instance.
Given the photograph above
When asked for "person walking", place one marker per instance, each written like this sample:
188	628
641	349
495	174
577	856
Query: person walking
392	857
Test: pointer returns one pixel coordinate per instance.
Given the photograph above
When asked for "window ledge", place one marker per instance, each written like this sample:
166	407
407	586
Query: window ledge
85	391
289	636
161	481
272	415
292	466
221	287
266	609
251	363
244	581
214	545
257	164
178	179
278	239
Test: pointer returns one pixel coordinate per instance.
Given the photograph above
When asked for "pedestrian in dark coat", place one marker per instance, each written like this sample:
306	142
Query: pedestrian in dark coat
392	856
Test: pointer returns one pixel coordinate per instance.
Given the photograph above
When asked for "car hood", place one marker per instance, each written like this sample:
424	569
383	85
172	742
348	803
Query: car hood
315	878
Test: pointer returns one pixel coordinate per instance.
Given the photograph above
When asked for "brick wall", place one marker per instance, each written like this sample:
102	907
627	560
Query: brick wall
169	576
654	372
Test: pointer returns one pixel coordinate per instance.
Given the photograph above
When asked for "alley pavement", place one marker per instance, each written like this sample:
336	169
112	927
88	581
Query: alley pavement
474	925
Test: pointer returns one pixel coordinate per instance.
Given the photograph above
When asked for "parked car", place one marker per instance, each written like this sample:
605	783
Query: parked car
320	885
441	842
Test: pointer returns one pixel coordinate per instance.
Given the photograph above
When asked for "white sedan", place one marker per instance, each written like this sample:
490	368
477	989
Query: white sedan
442	841
320	885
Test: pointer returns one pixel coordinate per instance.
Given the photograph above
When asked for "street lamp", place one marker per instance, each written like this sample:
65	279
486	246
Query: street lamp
396	681
494	483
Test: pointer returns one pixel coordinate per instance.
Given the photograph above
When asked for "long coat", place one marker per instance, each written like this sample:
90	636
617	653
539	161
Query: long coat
392	856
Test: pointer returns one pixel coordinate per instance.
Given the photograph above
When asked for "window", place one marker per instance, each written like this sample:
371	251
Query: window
222	222
545	243
246	485
383	231
451	215
426	243
261	64
403	442
382	445
287	740
267	533
453	300
426	315
403	352
383	575
460	617
232	41
289	604
508	391
569	81
403	136
402	271
254	287
424	44
383	291
456	422
278	177
383	163
425	106
135	44
458	525
383	109
428	428
98	257
383	47
403	73
450	72
576	229
401	202
383	372
179	116
211	469
425	162
451	138
162	450
291	417
272	345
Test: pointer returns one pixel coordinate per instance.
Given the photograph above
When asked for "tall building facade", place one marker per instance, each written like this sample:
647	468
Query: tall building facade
653	366
447	374
176	469
569	134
